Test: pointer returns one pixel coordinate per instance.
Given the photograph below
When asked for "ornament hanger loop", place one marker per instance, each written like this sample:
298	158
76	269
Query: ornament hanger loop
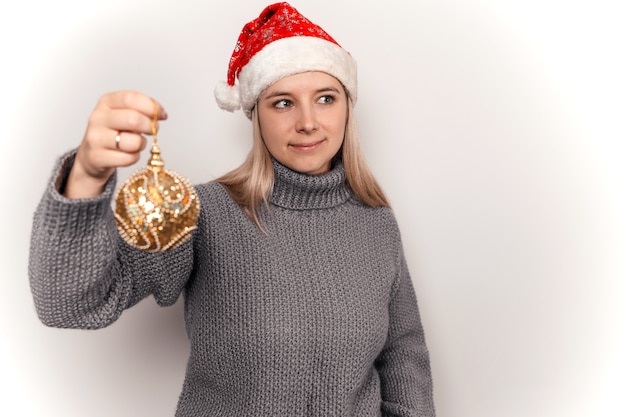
155	158
155	115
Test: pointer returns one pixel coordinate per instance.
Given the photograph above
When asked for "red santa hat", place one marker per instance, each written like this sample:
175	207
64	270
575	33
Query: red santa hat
281	42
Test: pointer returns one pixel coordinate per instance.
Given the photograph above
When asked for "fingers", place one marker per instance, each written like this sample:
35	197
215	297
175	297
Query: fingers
120	159
125	120
103	149
128	111
115	131
127	142
134	101
113	138
105	137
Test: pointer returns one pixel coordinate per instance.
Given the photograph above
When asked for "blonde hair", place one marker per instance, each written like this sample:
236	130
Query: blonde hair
251	184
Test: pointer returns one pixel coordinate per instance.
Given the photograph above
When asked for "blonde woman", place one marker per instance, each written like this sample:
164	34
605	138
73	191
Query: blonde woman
298	301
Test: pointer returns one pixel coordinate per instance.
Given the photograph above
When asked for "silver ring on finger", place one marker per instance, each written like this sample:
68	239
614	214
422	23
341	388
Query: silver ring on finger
118	139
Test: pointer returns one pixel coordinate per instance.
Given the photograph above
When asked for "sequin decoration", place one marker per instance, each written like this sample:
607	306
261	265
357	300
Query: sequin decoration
156	209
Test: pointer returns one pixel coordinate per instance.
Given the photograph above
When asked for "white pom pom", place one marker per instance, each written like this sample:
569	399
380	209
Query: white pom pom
227	96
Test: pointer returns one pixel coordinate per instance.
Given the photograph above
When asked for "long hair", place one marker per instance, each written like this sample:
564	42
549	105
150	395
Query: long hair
251	184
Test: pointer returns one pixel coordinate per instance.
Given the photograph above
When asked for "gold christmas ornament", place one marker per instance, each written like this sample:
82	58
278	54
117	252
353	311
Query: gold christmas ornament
156	209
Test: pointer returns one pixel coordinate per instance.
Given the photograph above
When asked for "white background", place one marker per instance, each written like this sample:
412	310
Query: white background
496	128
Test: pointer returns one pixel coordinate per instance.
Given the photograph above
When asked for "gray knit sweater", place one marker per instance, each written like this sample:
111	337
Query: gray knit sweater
316	318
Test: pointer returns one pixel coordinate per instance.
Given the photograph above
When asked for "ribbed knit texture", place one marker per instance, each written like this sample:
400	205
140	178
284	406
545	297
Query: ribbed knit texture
317	317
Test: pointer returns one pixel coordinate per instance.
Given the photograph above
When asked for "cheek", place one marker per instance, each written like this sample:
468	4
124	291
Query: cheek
272	137
273	122
340	127
267	129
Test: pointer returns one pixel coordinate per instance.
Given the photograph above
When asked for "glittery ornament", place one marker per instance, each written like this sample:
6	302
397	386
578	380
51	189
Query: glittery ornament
156	209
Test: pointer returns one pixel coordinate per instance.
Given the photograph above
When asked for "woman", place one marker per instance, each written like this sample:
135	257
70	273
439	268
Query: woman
298	300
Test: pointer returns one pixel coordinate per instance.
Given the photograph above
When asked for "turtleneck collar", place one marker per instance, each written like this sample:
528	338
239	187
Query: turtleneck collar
297	191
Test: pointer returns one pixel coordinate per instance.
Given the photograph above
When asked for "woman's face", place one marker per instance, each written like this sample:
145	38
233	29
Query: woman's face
303	120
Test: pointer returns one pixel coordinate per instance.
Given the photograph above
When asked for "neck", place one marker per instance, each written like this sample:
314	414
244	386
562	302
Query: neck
298	191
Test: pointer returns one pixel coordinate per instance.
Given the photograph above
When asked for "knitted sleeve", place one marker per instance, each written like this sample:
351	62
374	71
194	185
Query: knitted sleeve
82	274
404	363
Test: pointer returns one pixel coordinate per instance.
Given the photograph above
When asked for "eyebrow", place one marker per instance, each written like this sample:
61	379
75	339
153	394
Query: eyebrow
285	93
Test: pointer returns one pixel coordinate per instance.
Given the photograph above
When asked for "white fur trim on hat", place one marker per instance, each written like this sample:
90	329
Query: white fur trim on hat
227	96
288	56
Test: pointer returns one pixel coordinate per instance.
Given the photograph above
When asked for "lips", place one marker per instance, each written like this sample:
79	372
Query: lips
306	147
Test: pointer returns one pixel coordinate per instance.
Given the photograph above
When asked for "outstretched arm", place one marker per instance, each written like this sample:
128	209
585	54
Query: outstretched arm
82	273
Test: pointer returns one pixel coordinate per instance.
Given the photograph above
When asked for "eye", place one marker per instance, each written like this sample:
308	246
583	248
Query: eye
327	99
282	104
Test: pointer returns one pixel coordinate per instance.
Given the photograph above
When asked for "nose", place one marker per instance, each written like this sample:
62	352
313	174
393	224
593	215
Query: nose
306	122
